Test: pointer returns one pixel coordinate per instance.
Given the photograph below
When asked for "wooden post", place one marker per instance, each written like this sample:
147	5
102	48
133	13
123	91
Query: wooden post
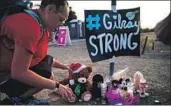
112	60
112	66
153	43
113	5
144	45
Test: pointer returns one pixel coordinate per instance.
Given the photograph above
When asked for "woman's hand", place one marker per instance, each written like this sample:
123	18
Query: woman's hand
65	91
66	67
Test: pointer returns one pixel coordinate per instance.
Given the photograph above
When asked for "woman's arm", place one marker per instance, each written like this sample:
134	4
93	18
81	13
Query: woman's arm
56	64
20	70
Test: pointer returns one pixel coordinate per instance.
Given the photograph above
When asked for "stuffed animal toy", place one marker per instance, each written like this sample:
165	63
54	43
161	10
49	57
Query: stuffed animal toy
128	98
115	84
103	92
113	93
123	83
78	82
121	92
137	77
113	96
97	81
140	84
120	74
142	88
118	96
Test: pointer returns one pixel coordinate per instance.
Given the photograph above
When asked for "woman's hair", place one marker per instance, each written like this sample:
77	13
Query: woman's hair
57	3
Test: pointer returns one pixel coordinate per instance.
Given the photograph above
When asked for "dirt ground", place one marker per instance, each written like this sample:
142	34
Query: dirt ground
154	64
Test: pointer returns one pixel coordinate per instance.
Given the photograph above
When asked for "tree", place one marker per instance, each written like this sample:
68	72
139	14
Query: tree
144	30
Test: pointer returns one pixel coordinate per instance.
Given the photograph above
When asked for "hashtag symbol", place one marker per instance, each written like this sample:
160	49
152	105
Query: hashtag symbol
93	22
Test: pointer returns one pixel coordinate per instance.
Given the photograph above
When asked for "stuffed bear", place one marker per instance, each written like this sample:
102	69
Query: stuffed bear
78	82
